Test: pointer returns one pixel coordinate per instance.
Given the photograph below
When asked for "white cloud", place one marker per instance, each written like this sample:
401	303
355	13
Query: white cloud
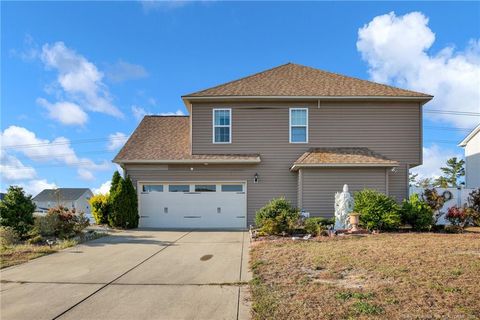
138	112
59	150
12	169
434	158
122	71
103	189
79	78
396	50
176	113
67	113
85	174
34	187
116	140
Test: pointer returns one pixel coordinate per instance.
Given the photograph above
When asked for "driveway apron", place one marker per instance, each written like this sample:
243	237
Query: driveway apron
139	274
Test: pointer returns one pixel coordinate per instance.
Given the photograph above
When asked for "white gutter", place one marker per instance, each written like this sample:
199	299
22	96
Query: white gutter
189	161
469	136
342	165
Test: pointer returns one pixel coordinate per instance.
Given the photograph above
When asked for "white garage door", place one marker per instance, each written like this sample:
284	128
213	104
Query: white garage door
192	205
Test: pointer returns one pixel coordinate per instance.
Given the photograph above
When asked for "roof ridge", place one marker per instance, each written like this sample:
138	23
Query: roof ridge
358	79
239	79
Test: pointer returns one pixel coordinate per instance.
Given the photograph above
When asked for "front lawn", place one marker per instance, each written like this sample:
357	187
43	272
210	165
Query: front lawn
385	276
20	253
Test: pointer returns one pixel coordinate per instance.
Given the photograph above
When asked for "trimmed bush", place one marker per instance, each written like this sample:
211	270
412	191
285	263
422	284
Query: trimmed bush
124	206
16	211
8	236
417	213
100	208
377	210
277	217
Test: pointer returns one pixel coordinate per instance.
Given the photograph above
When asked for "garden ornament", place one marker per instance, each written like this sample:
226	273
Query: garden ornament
343	208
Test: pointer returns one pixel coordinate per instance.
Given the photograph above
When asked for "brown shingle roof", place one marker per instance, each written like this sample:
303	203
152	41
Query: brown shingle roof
348	156
167	138
296	80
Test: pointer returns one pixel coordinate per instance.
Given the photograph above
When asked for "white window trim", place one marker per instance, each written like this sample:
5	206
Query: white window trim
290	125
222	126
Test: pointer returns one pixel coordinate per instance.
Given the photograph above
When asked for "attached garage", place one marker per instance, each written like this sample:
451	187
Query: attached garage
192	205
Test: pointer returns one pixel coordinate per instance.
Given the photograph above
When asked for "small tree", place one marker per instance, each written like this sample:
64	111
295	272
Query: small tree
116	178
412	179
454	171
424	183
441	182
16	211
124	206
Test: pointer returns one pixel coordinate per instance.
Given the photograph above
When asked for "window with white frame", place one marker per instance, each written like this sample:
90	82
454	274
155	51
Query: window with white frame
222	125
298	125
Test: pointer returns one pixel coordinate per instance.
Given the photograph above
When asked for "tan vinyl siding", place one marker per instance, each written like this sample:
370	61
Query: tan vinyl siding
320	185
389	128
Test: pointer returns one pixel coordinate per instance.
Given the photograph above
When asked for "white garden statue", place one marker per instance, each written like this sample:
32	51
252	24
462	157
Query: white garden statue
343	207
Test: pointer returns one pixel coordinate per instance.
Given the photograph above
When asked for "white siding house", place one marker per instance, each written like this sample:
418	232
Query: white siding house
72	198
472	158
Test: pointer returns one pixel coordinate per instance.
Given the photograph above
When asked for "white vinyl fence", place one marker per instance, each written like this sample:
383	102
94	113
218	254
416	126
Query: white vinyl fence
459	198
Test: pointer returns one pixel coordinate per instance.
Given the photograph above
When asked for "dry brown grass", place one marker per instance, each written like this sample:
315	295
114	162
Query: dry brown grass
21	253
386	276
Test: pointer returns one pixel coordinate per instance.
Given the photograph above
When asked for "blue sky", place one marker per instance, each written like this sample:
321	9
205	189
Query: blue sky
76	76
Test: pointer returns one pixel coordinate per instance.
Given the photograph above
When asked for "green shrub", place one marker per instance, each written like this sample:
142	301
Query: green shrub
124	206
277	216
37	239
45	225
377	210
62	223
417	213
474	204
16	211
317	225
8	236
435	201
100	208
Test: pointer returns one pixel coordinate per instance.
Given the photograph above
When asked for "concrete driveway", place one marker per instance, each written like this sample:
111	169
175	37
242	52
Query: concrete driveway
140	274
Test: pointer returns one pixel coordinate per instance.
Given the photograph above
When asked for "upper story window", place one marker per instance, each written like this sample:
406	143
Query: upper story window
298	125
222	125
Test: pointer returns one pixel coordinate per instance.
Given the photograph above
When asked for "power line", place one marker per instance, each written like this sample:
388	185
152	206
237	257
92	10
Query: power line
448	128
57	165
78	153
451	112
48	144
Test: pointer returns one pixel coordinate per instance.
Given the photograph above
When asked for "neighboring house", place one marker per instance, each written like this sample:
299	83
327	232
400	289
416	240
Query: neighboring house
290	131
471	143
72	198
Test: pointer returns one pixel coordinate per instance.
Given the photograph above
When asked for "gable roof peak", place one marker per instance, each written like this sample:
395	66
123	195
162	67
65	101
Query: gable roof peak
296	80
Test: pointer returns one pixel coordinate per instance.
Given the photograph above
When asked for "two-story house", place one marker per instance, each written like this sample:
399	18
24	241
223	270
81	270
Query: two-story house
290	131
